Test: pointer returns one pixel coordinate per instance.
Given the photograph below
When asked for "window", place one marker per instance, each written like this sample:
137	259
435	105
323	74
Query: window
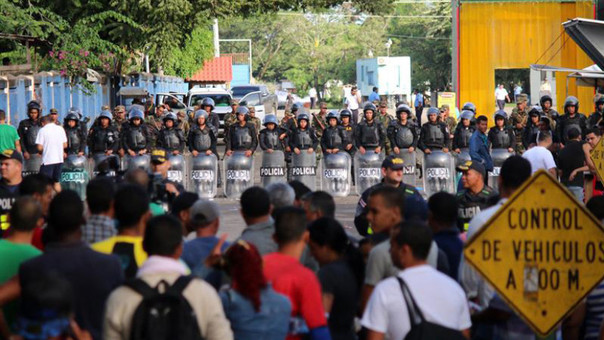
222	100
370	78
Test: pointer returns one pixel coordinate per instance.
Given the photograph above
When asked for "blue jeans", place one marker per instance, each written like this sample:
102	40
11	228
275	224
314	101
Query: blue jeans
577	191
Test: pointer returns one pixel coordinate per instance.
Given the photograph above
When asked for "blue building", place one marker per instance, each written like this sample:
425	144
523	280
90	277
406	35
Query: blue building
391	75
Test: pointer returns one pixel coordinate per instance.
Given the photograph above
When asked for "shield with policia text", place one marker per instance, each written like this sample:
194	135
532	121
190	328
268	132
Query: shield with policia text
74	175
273	167
368	170
203	175
304	168
238	174
176	173
499	156
336	174
439	172
409	162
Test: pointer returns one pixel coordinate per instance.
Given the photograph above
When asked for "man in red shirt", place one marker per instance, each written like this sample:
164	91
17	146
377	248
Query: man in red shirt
289	277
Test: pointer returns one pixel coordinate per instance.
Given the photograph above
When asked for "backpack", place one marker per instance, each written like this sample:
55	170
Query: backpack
420	328
166	315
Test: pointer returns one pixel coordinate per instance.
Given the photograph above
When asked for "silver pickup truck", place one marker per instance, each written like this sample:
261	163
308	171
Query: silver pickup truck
267	99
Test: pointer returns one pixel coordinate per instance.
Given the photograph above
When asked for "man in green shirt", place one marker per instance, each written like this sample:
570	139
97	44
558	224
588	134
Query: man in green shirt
25	215
9	138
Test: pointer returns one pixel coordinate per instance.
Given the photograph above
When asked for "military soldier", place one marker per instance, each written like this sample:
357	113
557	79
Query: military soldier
28	130
402	133
154	123
384	118
170	137
135	134
476	195
501	136
369	133
76	138
242	135
518	120
103	137
445	117
596	116
231	117
434	134
119	118
546	105
571	119
251	118
319	120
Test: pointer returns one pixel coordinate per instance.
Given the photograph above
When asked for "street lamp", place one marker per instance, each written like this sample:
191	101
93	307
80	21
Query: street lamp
388	44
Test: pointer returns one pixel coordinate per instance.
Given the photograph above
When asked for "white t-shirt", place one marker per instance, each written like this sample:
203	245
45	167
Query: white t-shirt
51	137
540	158
352	102
500	94
312	93
440	299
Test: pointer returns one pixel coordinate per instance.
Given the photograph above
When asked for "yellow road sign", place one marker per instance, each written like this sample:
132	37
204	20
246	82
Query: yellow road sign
542	251
597	156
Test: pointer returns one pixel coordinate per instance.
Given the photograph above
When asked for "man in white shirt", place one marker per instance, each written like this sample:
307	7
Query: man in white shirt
439	298
353	101
501	94
540	156
51	142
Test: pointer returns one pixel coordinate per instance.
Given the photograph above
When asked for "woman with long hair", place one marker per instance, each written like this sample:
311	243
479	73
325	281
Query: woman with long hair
341	275
254	309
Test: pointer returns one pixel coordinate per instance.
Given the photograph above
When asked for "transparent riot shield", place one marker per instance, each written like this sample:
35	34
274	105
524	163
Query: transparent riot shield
203	178
32	165
368	170
336	174
273	168
137	162
409	170
461	158
499	156
105	165
176	173
304	169
439	172
238	174
74	175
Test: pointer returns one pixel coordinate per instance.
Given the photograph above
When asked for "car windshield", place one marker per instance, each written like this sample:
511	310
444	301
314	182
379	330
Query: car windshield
220	100
240	91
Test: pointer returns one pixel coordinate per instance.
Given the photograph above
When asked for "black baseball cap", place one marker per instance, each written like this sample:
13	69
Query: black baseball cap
158	156
473	165
12	154
392	162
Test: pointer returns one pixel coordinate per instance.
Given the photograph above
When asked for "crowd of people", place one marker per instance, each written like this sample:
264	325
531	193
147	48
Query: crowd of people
123	264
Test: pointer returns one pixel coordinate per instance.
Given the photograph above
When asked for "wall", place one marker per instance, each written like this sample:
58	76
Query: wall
395	76
504	35
365	67
241	74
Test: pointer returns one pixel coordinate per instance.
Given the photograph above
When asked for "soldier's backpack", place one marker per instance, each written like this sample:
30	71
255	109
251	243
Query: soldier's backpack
163	313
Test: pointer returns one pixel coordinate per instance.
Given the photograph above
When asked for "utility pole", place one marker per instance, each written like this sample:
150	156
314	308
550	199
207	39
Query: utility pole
216	39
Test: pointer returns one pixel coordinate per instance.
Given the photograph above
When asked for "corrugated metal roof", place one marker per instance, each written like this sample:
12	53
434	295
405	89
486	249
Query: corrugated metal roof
215	70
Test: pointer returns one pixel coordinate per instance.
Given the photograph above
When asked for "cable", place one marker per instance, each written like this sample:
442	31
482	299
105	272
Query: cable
550	46
373	15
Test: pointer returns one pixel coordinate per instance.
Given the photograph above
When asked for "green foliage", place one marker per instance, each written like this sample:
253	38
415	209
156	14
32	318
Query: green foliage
183	62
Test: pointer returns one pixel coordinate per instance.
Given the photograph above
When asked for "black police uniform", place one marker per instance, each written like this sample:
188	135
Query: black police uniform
8	195
303	139
433	136
202	140
594	119
171	139
360	216
102	139
402	136
28	131
501	138
370	135
332	138
76	140
461	137
469	204
566	122
135	138
529	134
241	138
269	139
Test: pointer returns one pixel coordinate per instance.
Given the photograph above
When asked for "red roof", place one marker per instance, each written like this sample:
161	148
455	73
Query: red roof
215	70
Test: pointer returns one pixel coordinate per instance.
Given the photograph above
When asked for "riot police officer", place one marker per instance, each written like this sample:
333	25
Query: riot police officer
332	139
546	103
463	132
170	137
476	195
596	116
469	106
401	132
242	135
434	134
76	139
103	138
208	105
369	133
135	134
272	137
348	133
529	134
571	119
303	137
28	129
202	137
501	136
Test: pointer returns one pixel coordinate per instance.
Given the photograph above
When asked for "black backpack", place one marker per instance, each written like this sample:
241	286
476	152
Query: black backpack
166	315
420	328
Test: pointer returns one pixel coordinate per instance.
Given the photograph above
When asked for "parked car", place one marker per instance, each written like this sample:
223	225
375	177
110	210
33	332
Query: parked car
175	100
267	99
222	101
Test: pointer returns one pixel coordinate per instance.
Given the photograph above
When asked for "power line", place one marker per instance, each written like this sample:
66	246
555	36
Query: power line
373	16
416	37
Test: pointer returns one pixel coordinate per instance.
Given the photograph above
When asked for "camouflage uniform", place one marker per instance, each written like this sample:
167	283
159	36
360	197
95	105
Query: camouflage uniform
154	124
519	117
319	125
255	121
183	123
385	120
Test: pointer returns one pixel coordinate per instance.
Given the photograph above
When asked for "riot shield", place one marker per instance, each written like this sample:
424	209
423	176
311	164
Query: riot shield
464	156
304	169
32	165
74	175
176	173
238	174
368	170
273	167
106	165
439	172
499	156
409	162
336	174
138	162
203	177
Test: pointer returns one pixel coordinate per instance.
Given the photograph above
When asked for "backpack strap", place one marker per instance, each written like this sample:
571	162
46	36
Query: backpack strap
415	314
180	284
141	287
